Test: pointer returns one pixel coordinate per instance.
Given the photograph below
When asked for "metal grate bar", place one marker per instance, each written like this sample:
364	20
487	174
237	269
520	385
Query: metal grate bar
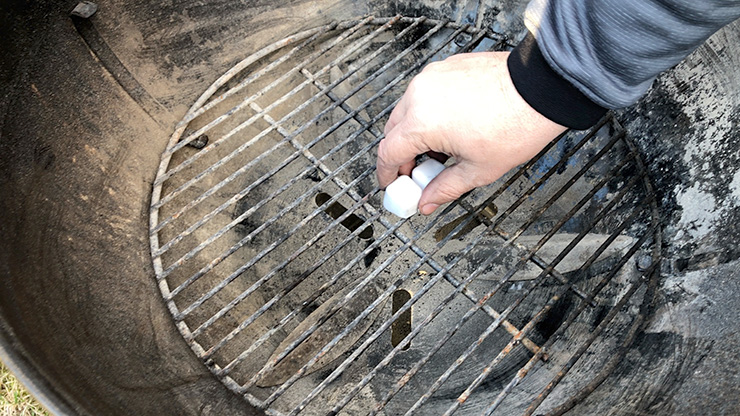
198	107
310	58
276	193
351	325
253	209
441	306
252	77
361	42
193	112
361	107
493	291
195	109
336	277
325	169
457	284
235	351
364	282
537	259
541	313
507	325
298	131
463	397
561	163
425	257
505	314
343	105
471	44
267	223
394	227
619	355
594	334
243	325
437	267
406	306
285	262
330	175
426	287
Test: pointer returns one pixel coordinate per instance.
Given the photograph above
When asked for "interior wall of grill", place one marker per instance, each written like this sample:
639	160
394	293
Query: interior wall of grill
86	109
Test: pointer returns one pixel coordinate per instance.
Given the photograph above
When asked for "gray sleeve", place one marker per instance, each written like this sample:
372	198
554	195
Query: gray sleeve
612	50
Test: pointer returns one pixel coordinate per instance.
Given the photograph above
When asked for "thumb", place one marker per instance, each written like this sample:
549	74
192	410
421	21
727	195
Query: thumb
449	185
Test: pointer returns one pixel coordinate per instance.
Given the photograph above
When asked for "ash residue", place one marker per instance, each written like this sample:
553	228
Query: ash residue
658	127
687	131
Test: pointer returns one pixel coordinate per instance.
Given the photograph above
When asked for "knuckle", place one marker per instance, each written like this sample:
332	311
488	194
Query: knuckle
385	152
449	192
382	149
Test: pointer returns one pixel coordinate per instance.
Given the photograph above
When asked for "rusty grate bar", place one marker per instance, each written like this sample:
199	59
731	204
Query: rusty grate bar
364	123
411	269
540	314
487	262
377	134
535	258
507	325
310	299
589	181
249	237
582	349
611	364
260	93
397	253
479	304
243	216
268	276
251	120
514	341
262	156
193	252
350	264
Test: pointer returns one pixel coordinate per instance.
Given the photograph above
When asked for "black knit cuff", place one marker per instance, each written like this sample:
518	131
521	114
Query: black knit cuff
548	92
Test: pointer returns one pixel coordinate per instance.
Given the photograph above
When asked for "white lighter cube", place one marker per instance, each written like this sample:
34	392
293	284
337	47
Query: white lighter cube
402	197
426	171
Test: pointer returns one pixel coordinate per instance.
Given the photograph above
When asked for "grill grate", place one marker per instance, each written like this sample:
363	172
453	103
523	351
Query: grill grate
277	265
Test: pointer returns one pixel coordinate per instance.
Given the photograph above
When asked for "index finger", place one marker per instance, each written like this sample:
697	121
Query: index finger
396	154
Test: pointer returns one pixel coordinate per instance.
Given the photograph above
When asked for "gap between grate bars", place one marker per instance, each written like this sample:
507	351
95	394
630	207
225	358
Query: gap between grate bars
441	38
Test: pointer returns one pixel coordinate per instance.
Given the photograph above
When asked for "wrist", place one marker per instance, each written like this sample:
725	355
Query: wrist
547	92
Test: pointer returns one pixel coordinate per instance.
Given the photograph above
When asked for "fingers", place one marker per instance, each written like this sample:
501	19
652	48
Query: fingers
447	186
396	154
398	113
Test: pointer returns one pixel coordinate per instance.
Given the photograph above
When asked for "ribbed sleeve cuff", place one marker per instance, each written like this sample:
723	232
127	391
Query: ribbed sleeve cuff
548	92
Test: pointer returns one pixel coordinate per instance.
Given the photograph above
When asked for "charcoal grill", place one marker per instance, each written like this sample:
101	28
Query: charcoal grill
301	294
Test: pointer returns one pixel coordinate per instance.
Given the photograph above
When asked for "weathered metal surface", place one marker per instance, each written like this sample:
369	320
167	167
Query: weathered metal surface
283	310
84	121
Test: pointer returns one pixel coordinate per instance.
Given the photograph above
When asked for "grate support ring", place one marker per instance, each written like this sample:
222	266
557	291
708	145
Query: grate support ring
507	309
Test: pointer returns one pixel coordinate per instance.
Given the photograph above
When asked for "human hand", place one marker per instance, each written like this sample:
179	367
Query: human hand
466	107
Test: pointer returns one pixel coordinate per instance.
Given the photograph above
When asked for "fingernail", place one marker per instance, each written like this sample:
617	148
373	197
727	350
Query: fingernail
429	208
